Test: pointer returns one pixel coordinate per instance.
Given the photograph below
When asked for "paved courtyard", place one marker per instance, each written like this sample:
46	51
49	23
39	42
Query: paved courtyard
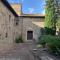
19	51
24	51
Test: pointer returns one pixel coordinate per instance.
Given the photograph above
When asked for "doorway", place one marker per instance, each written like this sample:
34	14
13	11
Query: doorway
29	35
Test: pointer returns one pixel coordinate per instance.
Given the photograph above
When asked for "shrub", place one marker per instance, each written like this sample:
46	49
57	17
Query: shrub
52	48
50	31
42	41
45	39
18	39
53	43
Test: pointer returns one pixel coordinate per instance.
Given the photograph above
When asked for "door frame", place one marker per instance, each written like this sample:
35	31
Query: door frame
32	35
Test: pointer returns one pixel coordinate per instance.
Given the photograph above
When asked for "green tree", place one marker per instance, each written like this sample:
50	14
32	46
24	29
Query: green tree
58	22
50	17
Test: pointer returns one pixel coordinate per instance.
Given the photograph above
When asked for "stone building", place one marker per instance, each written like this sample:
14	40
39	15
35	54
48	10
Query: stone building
7	17
28	25
31	25
14	23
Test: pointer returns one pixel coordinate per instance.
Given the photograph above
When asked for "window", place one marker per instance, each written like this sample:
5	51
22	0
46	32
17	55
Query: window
9	17
16	21
6	35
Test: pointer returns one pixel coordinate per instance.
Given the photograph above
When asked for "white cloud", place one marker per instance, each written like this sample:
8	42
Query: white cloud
31	10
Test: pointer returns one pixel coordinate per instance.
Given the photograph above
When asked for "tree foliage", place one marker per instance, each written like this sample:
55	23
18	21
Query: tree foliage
58	23
50	17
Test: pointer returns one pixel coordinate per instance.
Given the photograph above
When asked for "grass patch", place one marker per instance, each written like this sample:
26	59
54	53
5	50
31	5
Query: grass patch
18	39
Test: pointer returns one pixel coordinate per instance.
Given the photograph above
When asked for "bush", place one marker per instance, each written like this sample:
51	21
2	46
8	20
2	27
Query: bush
18	39
53	43
50	31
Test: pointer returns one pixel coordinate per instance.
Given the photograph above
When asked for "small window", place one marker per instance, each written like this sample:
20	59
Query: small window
9	17
16	22
6	35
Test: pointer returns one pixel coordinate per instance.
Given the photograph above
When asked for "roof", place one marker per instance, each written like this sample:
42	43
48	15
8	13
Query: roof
6	3
34	15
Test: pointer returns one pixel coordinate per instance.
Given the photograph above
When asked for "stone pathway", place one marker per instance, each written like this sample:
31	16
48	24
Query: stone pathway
19	52
24	51
42	54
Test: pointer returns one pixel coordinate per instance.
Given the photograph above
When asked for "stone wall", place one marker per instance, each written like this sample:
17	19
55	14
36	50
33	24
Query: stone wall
6	26
29	24
32	24
18	26
11	26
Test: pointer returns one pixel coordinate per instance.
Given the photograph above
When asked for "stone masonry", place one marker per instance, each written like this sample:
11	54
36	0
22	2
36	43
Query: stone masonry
6	26
11	25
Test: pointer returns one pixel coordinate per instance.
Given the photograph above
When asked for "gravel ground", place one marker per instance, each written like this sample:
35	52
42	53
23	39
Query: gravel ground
24	51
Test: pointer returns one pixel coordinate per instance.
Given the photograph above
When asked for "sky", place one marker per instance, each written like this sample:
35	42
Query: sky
31	6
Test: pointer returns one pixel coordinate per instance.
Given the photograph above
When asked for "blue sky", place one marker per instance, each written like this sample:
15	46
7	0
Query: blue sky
31	6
